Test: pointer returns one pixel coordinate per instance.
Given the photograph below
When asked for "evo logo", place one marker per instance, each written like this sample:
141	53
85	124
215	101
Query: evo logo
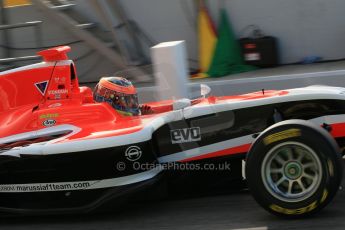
185	135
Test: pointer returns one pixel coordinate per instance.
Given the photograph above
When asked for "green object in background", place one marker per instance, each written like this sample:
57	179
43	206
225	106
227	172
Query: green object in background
227	57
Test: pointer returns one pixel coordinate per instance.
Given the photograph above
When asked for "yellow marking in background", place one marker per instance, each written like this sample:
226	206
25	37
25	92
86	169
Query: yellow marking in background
13	3
207	39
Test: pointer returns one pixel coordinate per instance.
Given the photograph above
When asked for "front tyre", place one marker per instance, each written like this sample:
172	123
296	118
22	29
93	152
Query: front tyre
294	168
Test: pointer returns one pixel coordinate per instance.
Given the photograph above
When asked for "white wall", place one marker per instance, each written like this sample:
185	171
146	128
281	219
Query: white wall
304	27
165	20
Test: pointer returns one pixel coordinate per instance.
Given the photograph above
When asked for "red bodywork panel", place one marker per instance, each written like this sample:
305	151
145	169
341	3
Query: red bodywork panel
48	94
55	54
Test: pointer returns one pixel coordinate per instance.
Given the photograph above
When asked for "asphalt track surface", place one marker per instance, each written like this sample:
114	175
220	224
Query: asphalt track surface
231	210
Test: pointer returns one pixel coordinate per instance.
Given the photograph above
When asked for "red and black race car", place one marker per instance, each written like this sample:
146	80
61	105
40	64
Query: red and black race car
60	151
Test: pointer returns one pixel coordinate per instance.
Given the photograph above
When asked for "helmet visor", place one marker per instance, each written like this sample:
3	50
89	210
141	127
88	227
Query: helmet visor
125	103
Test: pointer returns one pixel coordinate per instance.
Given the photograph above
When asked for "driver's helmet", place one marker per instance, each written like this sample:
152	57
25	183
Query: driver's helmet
119	93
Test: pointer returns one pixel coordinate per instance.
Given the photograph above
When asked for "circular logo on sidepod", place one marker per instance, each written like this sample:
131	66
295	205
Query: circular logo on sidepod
48	123
133	153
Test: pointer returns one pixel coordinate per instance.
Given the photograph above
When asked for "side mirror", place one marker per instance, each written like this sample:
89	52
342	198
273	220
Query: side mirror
181	104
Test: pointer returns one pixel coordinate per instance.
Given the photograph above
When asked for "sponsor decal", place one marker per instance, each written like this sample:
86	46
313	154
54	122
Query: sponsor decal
58	91
42	86
45	187
133	153
297	211
324	196
55	105
48	123
282	135
49	115
60	79
78	185
179	136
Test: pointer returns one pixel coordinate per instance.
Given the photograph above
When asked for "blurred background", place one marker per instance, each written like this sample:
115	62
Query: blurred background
223	37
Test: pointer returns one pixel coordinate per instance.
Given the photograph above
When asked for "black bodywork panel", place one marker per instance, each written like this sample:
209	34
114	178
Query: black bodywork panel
241	122
101	164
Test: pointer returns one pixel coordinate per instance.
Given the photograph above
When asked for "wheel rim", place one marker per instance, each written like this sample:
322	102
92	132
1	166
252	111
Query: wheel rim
291	171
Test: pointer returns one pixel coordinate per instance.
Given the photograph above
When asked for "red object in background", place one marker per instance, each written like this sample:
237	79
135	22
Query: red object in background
250	46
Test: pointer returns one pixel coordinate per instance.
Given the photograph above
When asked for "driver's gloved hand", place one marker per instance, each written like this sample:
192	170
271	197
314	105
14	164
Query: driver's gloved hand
145	110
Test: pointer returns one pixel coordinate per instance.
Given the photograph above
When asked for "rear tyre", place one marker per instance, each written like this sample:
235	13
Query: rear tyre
294	168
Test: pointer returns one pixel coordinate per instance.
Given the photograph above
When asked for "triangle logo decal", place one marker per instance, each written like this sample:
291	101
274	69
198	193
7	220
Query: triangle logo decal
42	86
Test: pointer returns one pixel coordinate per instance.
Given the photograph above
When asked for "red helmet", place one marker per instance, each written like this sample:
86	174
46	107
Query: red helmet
119	93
